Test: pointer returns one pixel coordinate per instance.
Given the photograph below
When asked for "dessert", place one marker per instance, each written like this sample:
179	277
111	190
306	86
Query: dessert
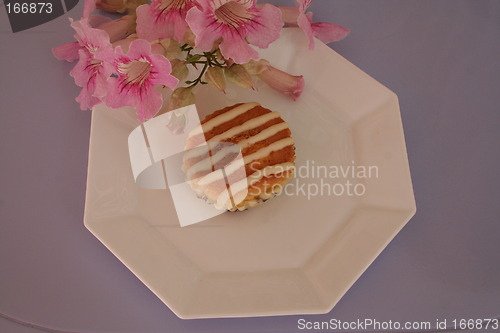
239	156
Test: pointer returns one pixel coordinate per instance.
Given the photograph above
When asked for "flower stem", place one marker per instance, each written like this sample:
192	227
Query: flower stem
199	78
207	59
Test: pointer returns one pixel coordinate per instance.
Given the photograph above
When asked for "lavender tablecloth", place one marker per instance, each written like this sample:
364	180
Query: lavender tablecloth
441	57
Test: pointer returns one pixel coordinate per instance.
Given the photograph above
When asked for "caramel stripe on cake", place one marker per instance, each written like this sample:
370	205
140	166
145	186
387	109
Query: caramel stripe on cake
225	155
224	122
222	117
194	155
260	154
237	131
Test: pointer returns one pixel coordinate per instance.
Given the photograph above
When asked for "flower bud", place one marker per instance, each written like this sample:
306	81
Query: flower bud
215	77
255	67
179	69
240	76
283	82
171	48
181	97
118	6
120	28
189	37
156	48
289	15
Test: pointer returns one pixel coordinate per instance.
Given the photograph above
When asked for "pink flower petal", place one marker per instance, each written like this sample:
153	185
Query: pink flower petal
106	55
86	80
267	26
303	4
206	29
90	74
179	25
156	21
326	32
80	72
329	32
305	24
117	97
163	77
68	52
125	43
149	27
86	100
236	48
89	37
148	104
105	71
101	86
138	48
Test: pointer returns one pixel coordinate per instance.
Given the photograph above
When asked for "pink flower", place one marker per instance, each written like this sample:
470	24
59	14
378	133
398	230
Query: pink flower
90	75
281	81
89	72
88	37
163	19
326	32
115	29
136	75
236	23
69	51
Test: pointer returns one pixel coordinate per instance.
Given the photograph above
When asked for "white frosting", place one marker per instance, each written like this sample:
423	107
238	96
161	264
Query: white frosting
238	189
208	162
263	135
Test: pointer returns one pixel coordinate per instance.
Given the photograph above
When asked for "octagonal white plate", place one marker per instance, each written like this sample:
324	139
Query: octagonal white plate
291	255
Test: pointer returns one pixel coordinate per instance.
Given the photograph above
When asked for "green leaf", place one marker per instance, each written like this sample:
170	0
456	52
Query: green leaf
194	58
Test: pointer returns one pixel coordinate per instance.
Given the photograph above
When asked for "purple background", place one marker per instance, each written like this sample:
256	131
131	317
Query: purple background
442	58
